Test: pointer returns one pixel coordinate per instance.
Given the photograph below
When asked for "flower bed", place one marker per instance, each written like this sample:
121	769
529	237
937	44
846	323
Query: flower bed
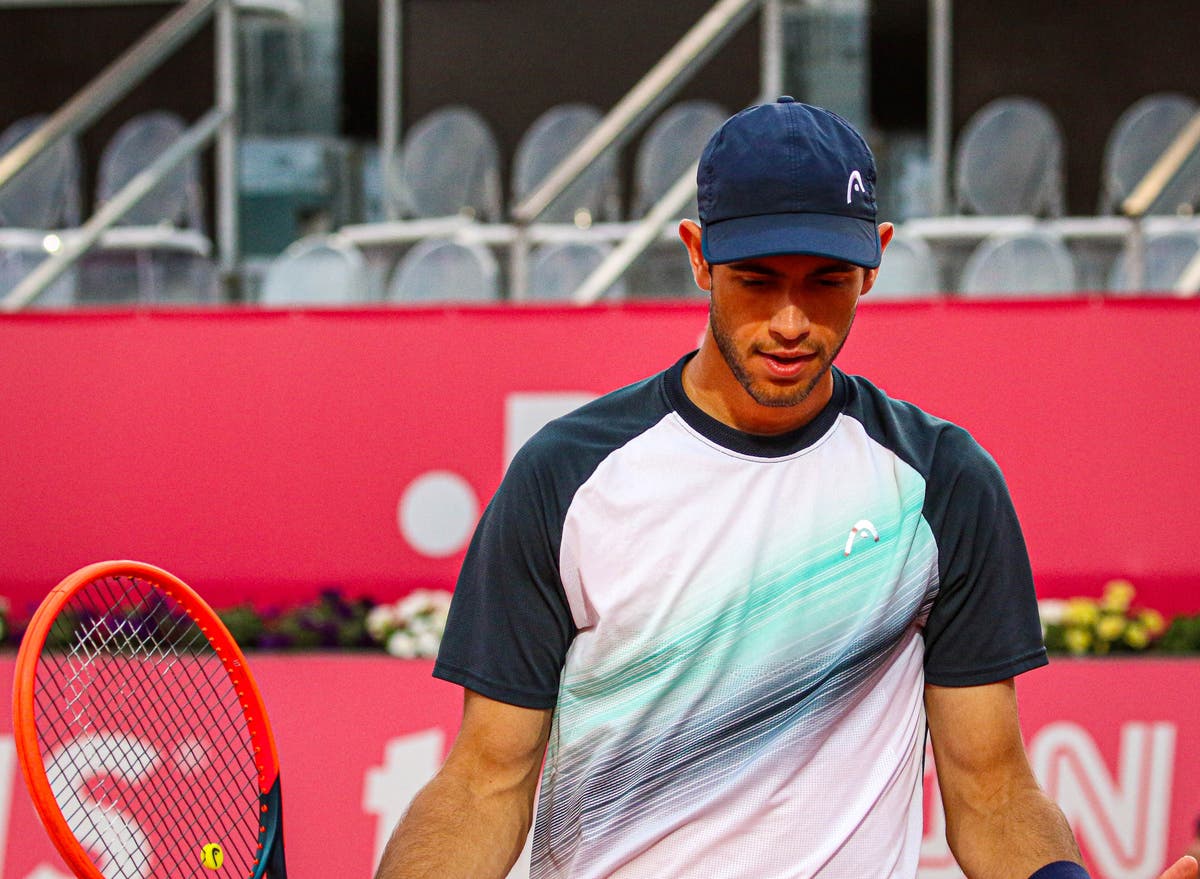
1114	624
409	628
412	627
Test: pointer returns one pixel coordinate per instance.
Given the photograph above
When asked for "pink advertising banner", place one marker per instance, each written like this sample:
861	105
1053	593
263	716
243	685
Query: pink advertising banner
1116	743
266	455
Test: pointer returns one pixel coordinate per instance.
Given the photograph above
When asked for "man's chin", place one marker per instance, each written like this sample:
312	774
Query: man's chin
776	397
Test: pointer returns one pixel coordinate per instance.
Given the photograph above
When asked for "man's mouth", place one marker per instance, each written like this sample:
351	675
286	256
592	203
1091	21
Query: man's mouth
787	364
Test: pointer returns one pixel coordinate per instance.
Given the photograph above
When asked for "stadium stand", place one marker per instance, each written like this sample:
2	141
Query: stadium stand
453	179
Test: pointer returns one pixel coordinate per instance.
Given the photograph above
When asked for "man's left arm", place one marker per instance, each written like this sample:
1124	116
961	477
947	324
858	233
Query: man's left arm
999	823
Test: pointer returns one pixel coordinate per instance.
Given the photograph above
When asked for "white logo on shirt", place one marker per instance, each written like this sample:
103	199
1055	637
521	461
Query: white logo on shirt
862	528
854	184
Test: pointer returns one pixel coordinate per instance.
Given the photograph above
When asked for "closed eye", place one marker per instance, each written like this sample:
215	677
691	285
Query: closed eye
753	280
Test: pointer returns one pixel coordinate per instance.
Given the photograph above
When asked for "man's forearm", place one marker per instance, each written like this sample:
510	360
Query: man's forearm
452	831
1011	836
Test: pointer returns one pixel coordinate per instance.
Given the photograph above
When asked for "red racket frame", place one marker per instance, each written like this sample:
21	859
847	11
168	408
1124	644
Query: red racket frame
29	752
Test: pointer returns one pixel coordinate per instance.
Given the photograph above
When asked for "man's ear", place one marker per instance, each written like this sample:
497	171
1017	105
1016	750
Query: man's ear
886	231
689	234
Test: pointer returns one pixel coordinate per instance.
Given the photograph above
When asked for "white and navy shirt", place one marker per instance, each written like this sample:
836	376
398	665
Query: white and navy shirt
735	630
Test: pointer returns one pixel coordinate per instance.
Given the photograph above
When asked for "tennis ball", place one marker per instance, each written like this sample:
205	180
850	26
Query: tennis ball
212	857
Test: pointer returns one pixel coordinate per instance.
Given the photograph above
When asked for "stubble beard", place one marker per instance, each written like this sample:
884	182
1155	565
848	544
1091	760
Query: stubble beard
768	395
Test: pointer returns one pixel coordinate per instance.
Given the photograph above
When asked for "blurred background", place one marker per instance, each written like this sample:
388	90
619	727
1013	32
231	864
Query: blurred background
285	283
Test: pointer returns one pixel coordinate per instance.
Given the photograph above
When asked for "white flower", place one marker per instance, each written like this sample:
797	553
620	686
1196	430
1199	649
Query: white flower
413	626
402	645
380	621
427	644
419	625
1051	610
413	605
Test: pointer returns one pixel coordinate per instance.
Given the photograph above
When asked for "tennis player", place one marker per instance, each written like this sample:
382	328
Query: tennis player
717	611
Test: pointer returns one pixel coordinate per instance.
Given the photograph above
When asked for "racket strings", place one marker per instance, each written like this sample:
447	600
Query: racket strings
147	746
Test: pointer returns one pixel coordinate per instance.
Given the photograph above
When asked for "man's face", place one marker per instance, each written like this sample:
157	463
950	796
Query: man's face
780	321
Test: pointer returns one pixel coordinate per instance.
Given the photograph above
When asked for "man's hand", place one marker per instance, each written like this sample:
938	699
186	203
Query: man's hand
1185	868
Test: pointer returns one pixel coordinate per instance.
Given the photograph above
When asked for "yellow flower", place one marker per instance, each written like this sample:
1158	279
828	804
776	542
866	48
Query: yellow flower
1136	636
1153	621
1110	627
1078	641
1081	612
1118	595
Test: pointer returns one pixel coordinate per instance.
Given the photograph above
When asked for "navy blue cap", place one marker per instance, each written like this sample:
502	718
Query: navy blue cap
788	178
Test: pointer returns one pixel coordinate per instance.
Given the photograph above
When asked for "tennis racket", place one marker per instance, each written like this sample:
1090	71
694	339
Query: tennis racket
141	735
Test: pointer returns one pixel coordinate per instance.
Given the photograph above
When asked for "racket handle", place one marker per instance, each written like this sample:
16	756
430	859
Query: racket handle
273	801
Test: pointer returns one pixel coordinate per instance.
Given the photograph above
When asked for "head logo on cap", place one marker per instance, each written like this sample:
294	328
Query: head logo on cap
854	185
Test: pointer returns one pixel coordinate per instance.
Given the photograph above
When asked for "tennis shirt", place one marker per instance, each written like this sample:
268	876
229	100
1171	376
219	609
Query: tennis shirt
735	630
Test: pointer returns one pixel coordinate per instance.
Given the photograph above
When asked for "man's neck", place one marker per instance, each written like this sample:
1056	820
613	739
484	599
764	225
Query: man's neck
715	390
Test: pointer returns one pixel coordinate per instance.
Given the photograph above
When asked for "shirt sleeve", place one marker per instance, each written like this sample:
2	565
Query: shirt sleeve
984	625
510	626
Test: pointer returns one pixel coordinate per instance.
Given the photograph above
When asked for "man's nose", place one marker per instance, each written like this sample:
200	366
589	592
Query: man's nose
790	322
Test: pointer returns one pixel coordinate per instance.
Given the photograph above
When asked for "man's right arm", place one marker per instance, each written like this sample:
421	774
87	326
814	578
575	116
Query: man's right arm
471	820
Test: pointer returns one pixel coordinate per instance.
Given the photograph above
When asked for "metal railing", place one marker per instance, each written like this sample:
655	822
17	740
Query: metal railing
692	50
696	47
110	86
668	208
939	98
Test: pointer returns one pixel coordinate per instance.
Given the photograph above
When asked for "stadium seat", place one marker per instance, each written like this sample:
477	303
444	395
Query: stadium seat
45	194
909	271
549	140
443	271
449	164
671	145
158	252
1027	264
1009	161
42	199
318	270
1137	140
559	269
177	200
1167	256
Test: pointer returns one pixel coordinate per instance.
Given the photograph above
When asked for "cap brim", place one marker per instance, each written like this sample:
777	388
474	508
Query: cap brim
845	238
